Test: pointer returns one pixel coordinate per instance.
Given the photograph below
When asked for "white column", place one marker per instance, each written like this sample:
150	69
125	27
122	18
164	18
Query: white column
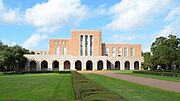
84	45
131	65
38	66
83	66
49	66
72	65
94	65
61	66
105	65
122	65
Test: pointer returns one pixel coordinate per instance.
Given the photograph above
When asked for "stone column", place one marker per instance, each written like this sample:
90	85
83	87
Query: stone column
38	66
122	65
27	67
49	66
94	65
131	65
105	65
83	65
72	65
61	66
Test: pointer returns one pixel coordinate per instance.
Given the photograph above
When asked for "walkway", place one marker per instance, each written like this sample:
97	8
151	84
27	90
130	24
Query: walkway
167	85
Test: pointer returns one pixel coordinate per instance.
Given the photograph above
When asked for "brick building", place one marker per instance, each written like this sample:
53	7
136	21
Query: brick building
85	51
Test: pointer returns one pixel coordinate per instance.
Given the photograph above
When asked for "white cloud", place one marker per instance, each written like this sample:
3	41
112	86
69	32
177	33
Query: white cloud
131	14
50	16
9	43
33	40
8	15
173	18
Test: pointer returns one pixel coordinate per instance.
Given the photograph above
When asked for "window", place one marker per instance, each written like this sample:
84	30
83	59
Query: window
81	45
91	44
86	45
107	51
57	50
55	42
59	42
63	42
66	43
119	51
131	51
113	51
125	52
64	51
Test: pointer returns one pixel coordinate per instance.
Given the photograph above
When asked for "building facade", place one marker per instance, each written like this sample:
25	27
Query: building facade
85	51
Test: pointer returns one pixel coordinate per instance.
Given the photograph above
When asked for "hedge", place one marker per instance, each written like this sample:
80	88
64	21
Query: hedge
87	90
158	72
24	72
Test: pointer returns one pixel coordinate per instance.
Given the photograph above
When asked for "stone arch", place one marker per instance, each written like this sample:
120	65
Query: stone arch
127	65
89	65
44	65
33	65
55	65
78	65
67	65
100	65
136	65
109	65
117	65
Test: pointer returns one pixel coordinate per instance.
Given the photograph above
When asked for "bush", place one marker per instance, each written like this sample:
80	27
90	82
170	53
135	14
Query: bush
160	72
34	72
87	90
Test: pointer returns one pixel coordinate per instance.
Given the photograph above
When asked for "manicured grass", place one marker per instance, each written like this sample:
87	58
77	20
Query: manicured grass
129	72
133	91
36	87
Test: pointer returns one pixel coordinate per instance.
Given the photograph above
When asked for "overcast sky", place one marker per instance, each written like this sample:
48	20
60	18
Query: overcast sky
30	23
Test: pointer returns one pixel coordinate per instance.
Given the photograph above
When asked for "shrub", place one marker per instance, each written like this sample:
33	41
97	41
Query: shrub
160	72
87	90
34	72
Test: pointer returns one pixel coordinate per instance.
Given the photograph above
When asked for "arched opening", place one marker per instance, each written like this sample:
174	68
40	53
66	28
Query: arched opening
33	66
100	65
78	65
127	65
136	65
89	65
117	65
108	65
67	65
55	65
44	65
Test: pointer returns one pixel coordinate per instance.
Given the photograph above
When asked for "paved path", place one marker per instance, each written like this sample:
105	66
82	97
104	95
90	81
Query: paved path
167	85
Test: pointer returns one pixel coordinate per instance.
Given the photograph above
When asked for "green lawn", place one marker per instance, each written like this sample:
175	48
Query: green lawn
129	72
36	87
133	91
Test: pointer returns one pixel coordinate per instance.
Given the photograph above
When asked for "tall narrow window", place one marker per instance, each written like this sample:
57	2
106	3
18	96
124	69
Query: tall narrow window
131	51
91	44
64	50
107	51
113	51
55	42
119	51
125	52
81	45
57	50
86	45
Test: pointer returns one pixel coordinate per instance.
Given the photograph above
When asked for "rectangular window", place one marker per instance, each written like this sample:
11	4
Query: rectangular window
86	45
57	50
125	52
113	51
55	42
91	44
131	51
119	52
81	45
64	51
107	51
